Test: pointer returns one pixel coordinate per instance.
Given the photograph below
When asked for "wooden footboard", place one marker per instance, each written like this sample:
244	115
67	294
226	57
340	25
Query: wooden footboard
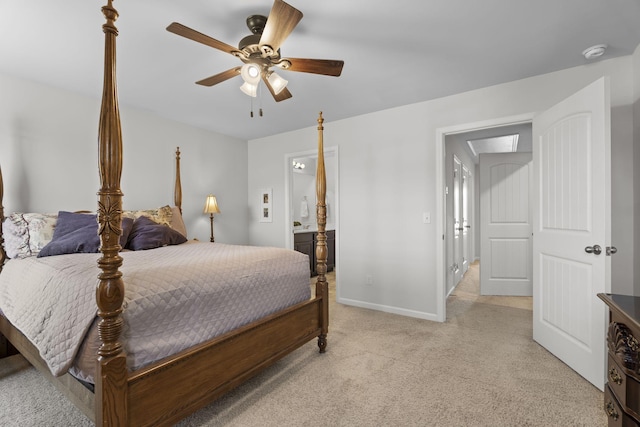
195	377
202	374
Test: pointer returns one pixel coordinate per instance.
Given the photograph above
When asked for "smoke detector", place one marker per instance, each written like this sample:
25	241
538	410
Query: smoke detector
594	51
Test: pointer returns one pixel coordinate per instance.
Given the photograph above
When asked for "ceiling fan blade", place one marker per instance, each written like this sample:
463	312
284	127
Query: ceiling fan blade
327	67
284	94
282	19
220	77
281	96
194	35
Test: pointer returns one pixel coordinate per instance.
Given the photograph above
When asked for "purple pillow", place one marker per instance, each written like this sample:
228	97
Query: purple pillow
78	233
147	234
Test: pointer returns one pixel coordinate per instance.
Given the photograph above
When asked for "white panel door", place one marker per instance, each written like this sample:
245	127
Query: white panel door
466	223
457	221
572	148
505	218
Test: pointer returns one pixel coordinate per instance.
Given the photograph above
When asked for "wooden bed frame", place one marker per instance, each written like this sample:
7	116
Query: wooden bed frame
169	390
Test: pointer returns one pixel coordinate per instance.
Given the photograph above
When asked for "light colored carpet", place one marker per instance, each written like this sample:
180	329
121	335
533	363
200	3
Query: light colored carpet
480	368
469	289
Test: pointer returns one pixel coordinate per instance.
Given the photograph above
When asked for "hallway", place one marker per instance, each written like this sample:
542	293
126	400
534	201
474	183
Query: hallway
469	289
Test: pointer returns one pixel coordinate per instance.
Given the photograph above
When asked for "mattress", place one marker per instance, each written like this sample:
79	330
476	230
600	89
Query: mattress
175	297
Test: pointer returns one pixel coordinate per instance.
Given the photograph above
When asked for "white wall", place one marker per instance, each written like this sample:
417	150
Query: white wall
48	139
391	178
48	155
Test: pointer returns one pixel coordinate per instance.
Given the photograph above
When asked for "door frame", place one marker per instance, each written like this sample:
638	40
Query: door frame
288	200
441	133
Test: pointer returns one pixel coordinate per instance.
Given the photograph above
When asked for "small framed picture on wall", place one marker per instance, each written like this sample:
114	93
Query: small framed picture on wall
266	205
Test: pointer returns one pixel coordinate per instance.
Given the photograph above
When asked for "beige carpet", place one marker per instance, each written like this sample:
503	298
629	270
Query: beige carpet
480	368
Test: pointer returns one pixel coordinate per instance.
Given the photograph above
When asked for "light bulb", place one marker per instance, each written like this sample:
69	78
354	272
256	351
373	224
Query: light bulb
250	73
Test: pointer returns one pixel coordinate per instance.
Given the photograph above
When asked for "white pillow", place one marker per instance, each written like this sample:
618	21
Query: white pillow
161	215
25	234
168	215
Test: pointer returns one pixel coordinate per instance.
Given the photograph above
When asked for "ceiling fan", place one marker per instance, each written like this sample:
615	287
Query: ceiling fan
260	52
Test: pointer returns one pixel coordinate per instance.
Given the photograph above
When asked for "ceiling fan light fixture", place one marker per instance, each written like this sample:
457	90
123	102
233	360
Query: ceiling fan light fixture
249	89
277	82
260	52
250	73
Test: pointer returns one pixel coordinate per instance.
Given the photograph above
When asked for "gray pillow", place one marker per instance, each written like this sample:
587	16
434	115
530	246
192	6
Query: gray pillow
147	234
78	233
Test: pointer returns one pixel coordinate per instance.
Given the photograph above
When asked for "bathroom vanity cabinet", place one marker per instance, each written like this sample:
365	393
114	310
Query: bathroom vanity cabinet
305	242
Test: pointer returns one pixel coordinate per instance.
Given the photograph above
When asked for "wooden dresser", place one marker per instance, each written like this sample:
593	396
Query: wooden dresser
622	390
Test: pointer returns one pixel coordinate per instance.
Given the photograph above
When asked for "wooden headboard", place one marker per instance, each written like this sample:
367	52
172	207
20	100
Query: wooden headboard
177	192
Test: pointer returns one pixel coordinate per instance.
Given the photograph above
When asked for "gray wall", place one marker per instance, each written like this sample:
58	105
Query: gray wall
391	179
48	142
387	173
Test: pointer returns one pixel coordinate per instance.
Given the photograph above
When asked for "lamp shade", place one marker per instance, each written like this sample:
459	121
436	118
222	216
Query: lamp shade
249	89
211	205
277	82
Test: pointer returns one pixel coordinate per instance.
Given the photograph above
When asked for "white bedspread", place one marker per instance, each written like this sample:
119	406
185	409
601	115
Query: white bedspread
175	297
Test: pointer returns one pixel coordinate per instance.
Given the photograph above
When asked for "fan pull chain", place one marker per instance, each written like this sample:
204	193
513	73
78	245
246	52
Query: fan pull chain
260	104
260	95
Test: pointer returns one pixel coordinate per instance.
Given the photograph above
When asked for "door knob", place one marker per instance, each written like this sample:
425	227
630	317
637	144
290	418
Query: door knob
611	250
595	249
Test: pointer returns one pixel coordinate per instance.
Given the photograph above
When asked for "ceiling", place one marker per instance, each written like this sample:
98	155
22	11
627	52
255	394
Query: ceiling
395	52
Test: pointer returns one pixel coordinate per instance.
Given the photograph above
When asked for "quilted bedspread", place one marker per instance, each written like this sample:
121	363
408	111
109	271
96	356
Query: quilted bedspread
176	297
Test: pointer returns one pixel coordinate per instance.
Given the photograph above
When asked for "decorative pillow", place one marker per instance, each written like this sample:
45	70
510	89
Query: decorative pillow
161	215
26	234
177	223
127	226
147	234
78	233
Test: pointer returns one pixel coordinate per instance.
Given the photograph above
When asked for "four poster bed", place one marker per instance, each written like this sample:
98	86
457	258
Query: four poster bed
136	389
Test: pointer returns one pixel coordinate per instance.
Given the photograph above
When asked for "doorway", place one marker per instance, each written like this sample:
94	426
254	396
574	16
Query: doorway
571	155
469	208
478	129
300	202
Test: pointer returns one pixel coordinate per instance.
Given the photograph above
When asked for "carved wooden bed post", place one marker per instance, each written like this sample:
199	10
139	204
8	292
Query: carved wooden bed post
177	192
111	374
322	289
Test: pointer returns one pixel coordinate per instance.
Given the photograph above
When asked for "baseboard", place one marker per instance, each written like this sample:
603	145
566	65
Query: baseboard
389	309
